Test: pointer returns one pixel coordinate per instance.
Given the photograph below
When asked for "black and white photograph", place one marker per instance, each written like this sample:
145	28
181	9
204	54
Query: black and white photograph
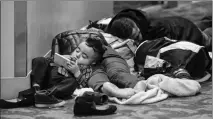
106	59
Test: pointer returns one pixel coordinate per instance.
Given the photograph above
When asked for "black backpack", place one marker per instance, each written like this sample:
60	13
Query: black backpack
172	56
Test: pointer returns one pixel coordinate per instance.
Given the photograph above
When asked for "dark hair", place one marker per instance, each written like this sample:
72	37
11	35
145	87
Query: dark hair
98	45
122	27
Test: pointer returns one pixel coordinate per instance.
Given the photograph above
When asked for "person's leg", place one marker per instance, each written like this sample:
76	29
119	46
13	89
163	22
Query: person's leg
58	88
119	73
61	86
39	71
65	88
121	80
124	80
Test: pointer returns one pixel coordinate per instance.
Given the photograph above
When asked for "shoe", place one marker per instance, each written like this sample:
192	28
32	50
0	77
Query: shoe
44	98
181	73
98	98
25	94
85	107
26	102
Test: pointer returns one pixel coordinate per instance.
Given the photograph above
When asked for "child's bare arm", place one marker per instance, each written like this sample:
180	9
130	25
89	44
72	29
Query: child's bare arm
113	91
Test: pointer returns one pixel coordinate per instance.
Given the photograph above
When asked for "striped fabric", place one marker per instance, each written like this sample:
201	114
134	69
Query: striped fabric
86	72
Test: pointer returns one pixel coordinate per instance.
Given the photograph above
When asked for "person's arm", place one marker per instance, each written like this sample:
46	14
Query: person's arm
72	67
99	81
112	90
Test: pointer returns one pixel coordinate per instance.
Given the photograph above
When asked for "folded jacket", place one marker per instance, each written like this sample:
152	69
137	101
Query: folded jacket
98	98
85	107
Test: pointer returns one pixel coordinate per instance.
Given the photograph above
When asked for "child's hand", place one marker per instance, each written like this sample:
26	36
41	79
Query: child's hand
73	67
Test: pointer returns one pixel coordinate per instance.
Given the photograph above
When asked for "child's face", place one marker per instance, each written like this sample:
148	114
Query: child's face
84	54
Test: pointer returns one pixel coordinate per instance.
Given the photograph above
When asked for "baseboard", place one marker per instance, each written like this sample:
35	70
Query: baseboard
11	86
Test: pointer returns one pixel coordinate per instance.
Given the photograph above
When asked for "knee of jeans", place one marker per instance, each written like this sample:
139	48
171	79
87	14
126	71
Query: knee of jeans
40	60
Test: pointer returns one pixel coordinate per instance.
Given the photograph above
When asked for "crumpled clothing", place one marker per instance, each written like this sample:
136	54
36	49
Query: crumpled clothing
160	87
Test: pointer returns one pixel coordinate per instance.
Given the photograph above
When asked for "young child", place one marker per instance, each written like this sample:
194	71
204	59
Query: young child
117	81
83	70
93	64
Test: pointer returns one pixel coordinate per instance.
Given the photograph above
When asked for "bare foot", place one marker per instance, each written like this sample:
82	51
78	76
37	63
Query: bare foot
141	86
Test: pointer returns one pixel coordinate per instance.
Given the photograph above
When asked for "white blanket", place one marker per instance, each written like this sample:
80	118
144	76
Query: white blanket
160	87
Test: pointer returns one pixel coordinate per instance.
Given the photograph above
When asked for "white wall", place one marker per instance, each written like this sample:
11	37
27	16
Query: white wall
7	38
45	19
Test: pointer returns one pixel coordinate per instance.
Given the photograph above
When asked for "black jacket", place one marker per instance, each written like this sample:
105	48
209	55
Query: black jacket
174	27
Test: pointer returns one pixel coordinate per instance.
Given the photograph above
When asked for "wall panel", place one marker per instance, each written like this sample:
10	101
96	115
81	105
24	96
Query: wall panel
45	19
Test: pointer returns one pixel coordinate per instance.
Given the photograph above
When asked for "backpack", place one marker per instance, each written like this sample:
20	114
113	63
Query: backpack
66	42
166	56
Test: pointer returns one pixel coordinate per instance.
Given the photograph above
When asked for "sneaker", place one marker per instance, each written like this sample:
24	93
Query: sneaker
181	73
44	98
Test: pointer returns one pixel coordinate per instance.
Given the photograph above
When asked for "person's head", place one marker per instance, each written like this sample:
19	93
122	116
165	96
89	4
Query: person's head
90	51
125	28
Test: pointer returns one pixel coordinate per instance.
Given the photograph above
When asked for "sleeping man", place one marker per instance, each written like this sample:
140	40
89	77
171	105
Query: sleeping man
136	24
